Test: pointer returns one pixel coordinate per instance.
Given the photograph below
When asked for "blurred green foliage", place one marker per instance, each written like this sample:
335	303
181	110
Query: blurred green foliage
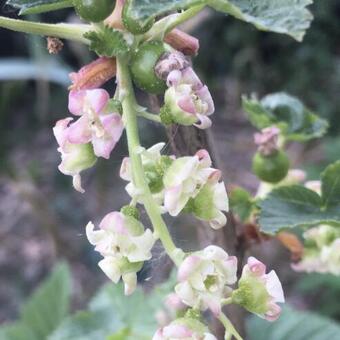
266	62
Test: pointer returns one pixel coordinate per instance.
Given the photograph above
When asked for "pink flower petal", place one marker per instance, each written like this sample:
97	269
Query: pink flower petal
187	104
274	287
174	78
204	122
97	99
256	266
188	266
76	102
114	221
273	312
190	77
204	94
113	127
177	331
60	131
80	132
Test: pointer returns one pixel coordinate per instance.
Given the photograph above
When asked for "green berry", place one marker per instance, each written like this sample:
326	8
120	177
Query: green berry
272	168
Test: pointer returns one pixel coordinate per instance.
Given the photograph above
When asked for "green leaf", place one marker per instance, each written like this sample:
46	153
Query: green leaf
293	325
241	203
331	185
87	325
107	42
45	309
114	316
281	16
16	331
39	6
143	10
296	121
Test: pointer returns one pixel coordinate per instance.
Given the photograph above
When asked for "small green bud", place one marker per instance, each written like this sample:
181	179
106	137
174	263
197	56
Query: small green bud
129	210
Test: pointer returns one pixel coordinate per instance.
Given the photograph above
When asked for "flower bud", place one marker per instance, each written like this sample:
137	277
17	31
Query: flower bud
203	278
258	292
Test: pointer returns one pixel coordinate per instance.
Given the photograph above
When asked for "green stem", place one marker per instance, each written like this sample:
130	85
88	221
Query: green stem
229	327
63	31
167	24
227	301
128	100
149	116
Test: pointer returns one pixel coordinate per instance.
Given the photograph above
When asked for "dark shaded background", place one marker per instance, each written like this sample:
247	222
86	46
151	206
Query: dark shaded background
42	218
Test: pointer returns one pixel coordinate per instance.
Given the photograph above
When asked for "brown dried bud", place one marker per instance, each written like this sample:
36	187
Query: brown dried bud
94	75
182	41
54	45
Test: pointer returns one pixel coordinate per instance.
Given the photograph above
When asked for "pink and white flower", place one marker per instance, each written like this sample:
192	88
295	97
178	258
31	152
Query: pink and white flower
204	277
184	329
93	135
192	178
187	100
259	292
124	244
95	125
74	157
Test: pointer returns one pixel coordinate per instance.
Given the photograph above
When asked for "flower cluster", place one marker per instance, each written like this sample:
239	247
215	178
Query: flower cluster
184	184
321	251
124	244
93	135
187	101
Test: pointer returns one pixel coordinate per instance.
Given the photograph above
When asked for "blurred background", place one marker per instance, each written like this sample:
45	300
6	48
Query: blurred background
42	218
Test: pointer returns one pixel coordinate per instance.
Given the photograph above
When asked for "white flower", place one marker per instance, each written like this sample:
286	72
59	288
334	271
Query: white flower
193	178
259	292
124	244
203	278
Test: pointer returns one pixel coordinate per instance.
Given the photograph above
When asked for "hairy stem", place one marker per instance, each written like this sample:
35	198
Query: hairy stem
229	327
128	100
63	31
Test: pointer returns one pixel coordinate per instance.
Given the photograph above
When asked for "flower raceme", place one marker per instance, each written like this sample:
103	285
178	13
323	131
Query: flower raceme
187	100
124	245
259	292
204	277
94	134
